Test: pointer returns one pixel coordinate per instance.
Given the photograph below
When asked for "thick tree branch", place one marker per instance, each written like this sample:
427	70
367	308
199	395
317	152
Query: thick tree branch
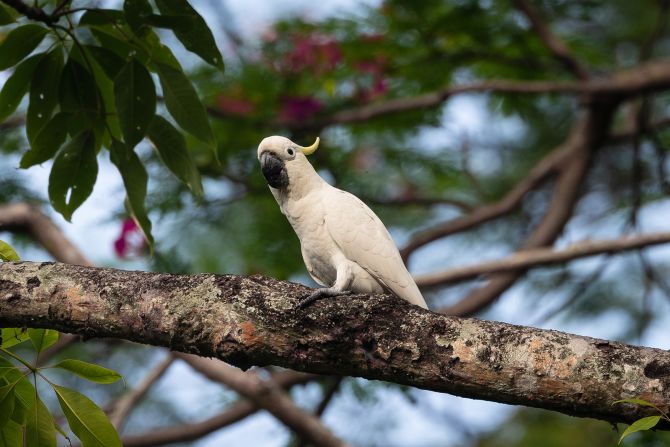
555	45
538	257
23	217
253	321
269	396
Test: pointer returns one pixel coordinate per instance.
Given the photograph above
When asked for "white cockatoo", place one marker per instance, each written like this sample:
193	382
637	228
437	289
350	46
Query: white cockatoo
345	246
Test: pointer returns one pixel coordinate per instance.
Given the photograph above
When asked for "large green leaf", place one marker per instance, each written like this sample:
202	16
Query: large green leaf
13	336
48	140
640	425
136	11
77	91
89	371
5	368
11	435
73	174
110	62
43	338
135	99
191	30
6	16
19	43
25	396
44	92
112	39
86	419
100	16
135	181
183	103
17	85
7	253
6	402
171	147
40	428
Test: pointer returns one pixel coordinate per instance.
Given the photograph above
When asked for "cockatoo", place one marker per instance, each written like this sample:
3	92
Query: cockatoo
345	246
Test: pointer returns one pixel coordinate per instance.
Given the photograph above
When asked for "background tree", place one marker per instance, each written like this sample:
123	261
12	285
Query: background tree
474	130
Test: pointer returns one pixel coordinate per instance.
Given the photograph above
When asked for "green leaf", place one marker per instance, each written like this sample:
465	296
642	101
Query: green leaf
136	11
48	141
44	92
135	98
191	30
6	402
13	336
5	16
43	338
171	147
6	367
135	181
73	174
11	435
40	429
640	425
109	61
183	103
17	85
77	91
19	43
86	419
89	371
7	253
111	39
99	16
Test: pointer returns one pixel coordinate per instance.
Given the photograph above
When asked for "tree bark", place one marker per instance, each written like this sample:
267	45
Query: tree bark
253	321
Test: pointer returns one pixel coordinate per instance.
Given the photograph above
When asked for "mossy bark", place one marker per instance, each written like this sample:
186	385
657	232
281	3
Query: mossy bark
253	321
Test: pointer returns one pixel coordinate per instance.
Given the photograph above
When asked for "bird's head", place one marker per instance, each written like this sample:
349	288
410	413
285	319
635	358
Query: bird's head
283	161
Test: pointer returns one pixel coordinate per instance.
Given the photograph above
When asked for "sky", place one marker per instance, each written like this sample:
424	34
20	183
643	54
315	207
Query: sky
420	424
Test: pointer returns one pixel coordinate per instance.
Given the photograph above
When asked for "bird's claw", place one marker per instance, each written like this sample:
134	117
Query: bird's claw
318	294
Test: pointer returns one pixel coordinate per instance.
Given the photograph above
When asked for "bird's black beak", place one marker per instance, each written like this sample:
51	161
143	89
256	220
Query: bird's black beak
274	170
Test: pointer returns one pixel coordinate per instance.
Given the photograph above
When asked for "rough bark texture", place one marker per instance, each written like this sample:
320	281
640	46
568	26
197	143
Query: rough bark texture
252	321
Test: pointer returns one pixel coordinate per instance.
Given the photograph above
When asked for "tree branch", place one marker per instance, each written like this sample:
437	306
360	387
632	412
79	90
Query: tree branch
555	45
269	396
28	218
252	321
526	259
125	404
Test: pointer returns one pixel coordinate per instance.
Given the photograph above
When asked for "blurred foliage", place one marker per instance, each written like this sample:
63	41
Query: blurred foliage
297	74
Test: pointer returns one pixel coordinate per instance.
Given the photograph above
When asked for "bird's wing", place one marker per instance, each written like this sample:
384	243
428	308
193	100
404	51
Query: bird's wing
363	238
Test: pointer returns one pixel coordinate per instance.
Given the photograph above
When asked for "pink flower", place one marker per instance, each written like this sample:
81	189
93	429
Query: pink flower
235	106
312	52
131	242
298	108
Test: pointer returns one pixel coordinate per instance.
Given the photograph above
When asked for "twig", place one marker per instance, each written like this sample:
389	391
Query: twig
555	45
266	394
523	260
126	403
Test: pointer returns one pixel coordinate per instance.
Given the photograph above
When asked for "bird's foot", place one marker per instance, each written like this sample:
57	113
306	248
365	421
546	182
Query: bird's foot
321	293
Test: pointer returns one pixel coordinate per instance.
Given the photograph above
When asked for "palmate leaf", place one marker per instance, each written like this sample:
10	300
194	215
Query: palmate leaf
7	253
44	92
89	371
135	99
135	181
13	336
7	399
43	338
17	85
40	428
88	422
171	147
19	43
190	28
183	103
73	174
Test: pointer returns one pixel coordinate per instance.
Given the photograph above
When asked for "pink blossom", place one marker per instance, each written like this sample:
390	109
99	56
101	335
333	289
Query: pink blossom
235	106
131	241
298	108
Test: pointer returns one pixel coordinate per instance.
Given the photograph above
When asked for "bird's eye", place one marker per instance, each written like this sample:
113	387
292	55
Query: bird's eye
290	152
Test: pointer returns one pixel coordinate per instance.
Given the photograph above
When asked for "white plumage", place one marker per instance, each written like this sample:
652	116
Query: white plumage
344	244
